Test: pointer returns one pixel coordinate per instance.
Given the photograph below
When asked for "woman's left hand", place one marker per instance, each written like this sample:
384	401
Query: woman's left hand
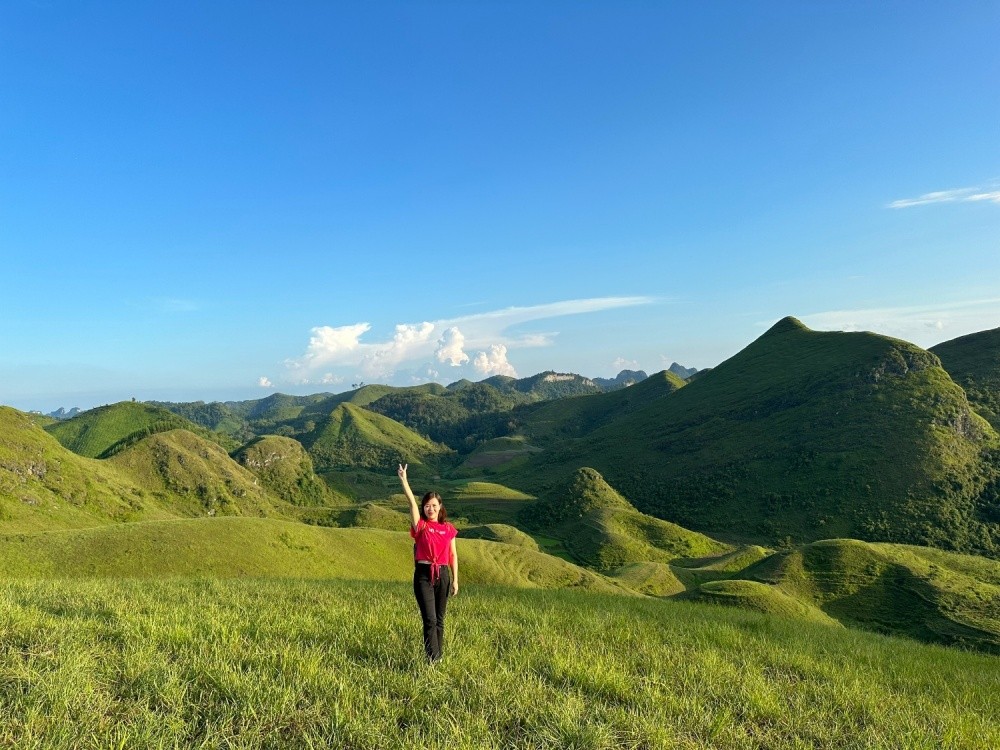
454	588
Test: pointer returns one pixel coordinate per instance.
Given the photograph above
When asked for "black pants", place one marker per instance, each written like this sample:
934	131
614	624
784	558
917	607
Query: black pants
432	600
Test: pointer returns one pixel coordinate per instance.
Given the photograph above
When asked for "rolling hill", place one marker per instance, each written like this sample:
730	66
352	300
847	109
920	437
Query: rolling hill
257	547
930	595
101	432
351	436
190	476
805	435
46	486
601	529
550	421
286	470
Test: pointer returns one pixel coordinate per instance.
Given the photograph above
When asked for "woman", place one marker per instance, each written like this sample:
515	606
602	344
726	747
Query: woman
435	555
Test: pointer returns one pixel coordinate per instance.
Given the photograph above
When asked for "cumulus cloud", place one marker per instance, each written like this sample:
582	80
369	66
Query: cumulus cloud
343	347
329	345
450	347
264	382
408	340
494	362
957	195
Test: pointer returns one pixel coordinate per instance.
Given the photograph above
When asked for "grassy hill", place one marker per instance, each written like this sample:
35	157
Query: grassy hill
216	416
315	663
101	432
973	362
43	485
259	547
286	470
351	436
189	475
552	421
603	530
805	435
931	595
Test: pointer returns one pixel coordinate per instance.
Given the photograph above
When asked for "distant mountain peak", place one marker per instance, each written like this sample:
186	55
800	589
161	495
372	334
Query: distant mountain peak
622	380
681	371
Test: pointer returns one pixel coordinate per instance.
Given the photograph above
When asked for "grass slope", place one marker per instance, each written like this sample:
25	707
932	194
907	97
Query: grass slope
930	595
352	436
973	361
233	547
603	530
552	421
101	432
286	470
44	485
308	664
806	435
189	475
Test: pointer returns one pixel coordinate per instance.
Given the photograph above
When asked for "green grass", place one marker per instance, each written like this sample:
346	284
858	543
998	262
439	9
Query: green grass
486	491
927	594
240	547
241	664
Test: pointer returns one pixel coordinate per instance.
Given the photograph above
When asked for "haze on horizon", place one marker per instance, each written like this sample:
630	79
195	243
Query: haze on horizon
220	201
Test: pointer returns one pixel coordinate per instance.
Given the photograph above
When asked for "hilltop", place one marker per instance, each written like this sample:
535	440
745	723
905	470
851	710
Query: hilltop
45	486
551	421
602	529
191	476
351	436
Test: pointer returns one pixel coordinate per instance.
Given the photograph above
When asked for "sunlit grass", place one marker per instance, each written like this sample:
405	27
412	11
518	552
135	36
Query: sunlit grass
304	664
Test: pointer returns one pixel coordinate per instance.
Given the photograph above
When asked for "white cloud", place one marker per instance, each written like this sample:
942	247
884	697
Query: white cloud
993	197
342	347
494	362
331	379
450	347
329	345
621	363
957	195
264	382
381	359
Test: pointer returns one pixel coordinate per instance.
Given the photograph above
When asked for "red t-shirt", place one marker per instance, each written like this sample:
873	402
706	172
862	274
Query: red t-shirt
433	541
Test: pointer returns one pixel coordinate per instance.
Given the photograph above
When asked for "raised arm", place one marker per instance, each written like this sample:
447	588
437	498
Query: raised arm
414	510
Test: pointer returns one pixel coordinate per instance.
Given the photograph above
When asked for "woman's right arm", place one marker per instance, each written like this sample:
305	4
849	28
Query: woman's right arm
414	510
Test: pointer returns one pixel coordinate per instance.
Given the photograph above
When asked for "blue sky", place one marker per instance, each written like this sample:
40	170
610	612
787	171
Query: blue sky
221	200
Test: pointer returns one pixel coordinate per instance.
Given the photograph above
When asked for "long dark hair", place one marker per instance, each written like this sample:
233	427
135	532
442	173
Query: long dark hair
442	514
